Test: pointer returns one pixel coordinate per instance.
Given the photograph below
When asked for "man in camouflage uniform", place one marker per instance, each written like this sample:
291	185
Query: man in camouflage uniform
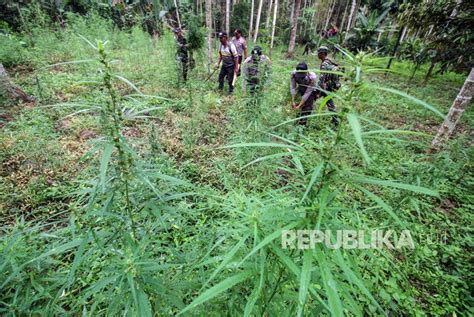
256	70
328	82
182	53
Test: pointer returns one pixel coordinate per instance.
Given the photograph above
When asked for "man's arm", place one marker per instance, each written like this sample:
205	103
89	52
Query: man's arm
219	59
309	90
245	48
233	50
307	93
293	90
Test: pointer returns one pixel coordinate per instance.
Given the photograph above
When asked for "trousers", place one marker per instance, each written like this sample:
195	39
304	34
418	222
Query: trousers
227	71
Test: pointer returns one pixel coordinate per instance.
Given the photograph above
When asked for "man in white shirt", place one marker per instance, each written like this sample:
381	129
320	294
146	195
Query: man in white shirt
230	61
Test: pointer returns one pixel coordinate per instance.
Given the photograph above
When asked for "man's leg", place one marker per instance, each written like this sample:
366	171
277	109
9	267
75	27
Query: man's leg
240	65
332	108
184	64
222	75
306	110
230	77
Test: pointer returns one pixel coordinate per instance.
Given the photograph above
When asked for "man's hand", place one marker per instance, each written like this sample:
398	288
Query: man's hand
216	65
294	105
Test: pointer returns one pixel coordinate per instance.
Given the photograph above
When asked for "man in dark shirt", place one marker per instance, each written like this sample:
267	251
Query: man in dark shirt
230	62
182	53
303	83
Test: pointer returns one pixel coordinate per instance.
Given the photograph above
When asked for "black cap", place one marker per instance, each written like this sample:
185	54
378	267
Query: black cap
302	66
222	34
257	50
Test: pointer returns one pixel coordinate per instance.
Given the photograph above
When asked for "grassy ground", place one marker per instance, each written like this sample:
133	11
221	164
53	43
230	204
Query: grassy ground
50	162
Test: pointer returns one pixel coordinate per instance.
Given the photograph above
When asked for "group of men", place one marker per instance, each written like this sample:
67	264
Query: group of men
235	60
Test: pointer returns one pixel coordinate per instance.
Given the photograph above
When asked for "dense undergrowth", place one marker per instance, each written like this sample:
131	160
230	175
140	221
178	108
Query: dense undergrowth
124	191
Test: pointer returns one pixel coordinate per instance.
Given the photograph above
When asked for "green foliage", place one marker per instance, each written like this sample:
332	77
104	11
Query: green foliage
239	17
177	204
195	34
364	35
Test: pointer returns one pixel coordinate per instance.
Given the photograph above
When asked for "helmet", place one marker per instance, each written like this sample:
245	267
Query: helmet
257	50
323	49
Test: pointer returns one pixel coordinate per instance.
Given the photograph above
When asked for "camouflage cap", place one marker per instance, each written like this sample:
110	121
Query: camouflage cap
323	49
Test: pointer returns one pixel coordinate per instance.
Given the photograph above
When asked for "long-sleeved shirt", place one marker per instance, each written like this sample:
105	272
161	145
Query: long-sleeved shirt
305	85
256	70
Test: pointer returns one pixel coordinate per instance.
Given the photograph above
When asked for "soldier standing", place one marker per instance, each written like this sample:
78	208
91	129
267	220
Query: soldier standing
303	83
182	53
229	58
241	46
256	69
328	82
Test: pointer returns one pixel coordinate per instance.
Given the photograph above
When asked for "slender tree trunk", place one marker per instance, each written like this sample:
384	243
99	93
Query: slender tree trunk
312	29
209	33
252	9
395	49
354	18
10	90
330	11
177	12
460	104
257	23
275	10
341	26
351	15
292	11
454	13
294	28
404	32
430	71
269	14
227	16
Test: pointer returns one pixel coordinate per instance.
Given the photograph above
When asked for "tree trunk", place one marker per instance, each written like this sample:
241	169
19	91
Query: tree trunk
454	13
430	71
10	90
404	32
351	15
294	28
257	23
209	33
459	105
395	49
227	16
252	9
275	10
330	11
177	12
269	14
